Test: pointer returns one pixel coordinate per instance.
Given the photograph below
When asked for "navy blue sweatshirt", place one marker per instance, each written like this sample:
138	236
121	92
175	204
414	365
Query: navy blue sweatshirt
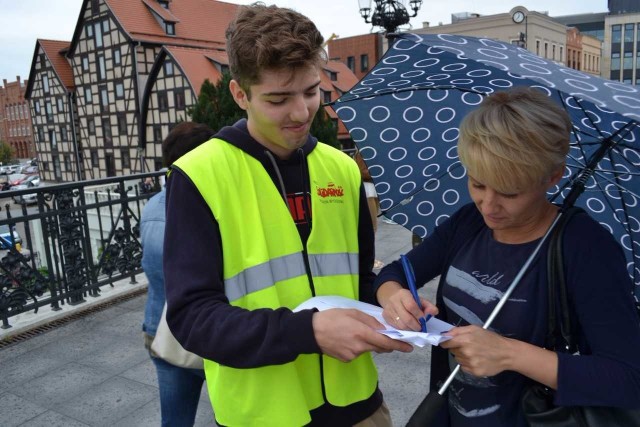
199	313
475	270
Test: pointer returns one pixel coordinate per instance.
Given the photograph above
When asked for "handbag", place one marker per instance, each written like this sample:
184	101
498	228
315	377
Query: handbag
166	347
537	399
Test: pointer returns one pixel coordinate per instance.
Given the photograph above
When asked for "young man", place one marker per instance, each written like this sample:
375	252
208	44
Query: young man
260	219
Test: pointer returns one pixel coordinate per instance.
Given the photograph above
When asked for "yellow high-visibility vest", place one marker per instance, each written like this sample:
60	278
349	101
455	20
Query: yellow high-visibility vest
264	268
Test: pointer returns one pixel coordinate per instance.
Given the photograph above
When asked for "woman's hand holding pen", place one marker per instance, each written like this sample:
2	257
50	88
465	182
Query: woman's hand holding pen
401	309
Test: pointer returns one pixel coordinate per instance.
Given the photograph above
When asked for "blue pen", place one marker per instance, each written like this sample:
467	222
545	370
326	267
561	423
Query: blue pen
411	281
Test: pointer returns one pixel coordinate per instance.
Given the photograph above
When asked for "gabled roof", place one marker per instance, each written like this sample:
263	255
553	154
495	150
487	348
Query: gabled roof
55	50
346	78
198	23
197	64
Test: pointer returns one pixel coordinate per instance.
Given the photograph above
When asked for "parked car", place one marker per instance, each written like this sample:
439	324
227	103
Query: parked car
30	169
29	182
8	240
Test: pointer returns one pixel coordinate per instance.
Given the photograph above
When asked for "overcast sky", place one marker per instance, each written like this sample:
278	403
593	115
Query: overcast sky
24	21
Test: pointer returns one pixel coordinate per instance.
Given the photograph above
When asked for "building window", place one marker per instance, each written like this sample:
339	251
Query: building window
364	62
94	159
163	103
106	132
60	105
616	33
49	111
628	61
126	159
170	28
351	63
36	107
105	26
45	166
67	162
95	6
63	134
553	52
85	63
97	29
40	135
87	95
628	33
52	139
164	3
119	90
538	47
89	30
45	83
122	124
102	69
91	126
104	99
168	68
333	76
157	133
561	54
615	61
326	96
179	99
116	56
43	60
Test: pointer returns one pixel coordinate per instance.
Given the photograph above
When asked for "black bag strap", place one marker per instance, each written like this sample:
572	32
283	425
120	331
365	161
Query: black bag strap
558	304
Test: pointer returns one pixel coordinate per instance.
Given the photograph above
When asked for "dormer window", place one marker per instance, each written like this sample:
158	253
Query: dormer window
170	28
164	3
333	75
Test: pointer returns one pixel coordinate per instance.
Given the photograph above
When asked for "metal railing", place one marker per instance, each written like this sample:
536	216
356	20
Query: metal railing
74	239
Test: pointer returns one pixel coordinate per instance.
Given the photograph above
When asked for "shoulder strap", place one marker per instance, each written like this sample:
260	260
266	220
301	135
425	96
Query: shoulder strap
558	304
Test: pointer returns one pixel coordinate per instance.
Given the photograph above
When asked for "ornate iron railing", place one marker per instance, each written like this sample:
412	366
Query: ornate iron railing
74	239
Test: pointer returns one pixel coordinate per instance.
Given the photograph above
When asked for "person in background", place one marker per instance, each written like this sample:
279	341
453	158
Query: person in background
514	147
262	218
179	387
372	197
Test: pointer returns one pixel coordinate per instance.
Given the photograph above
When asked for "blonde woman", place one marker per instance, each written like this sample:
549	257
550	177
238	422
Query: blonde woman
514	147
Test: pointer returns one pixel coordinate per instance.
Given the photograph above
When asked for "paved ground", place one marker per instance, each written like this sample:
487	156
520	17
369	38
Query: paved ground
95	371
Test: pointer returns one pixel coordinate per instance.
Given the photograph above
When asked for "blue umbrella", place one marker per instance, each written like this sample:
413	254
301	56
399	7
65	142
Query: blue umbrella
404	117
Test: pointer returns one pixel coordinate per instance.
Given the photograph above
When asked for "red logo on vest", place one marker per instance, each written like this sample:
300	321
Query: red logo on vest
331	190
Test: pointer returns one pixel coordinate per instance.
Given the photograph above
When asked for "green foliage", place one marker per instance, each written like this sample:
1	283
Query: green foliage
325	129
6	153
216	107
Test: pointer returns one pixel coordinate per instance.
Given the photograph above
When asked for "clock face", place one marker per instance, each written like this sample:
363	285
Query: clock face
518	17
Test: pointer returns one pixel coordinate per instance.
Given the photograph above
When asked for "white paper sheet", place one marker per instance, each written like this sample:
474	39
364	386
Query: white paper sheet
435	327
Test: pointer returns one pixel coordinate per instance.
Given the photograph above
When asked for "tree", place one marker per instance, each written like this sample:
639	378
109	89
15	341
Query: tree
216	107
6	152
325	129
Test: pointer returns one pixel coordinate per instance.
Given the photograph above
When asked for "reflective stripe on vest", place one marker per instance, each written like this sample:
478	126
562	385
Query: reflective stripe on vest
264	268
262	276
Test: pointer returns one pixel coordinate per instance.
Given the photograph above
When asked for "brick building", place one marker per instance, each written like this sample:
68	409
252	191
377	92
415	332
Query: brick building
15	119
133	70
358	53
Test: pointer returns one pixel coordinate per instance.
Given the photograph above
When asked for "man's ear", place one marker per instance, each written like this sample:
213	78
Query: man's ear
239	95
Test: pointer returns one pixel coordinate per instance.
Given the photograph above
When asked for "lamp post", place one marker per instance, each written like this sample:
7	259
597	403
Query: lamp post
388	14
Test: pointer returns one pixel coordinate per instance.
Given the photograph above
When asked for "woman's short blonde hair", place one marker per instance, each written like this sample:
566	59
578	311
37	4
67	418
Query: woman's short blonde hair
514	140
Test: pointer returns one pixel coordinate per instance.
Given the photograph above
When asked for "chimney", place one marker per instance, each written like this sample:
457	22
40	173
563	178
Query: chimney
425	24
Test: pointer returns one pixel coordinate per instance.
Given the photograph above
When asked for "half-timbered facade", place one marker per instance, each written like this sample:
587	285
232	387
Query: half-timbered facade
54	117
137	67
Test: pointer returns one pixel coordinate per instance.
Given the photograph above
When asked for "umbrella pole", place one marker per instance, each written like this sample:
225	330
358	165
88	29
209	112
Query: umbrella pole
429	407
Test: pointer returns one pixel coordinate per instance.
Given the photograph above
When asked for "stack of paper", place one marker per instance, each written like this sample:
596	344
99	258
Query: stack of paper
435	327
